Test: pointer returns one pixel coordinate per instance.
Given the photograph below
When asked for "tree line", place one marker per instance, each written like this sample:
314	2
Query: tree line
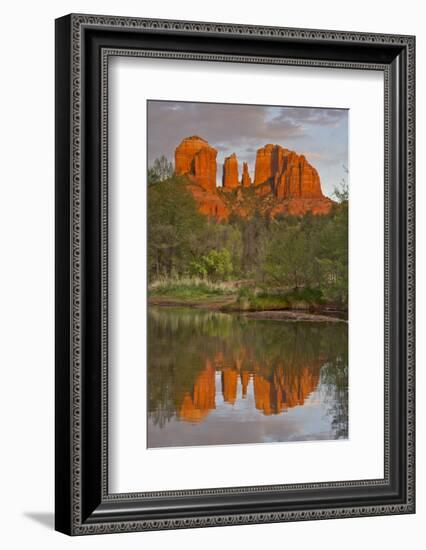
285	252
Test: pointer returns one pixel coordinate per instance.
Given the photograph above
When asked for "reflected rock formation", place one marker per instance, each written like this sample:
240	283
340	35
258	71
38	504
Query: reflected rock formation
213	359
198	403
286	389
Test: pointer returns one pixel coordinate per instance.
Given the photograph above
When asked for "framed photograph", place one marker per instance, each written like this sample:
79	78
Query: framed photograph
234	274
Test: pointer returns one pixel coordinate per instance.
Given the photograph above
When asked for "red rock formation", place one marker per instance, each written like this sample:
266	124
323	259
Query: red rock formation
230	172
264	167
245	379
245	178
229	385
297	179
262	394
288	388
185	153
290	175
285	182
195	158
209	203
205	168
299	207
197	404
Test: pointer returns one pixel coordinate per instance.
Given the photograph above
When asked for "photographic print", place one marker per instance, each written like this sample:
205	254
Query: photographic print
247	273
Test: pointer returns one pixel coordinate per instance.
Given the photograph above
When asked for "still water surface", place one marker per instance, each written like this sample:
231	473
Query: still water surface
216	378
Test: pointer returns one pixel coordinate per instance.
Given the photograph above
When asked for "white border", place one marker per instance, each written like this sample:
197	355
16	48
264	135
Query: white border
134	468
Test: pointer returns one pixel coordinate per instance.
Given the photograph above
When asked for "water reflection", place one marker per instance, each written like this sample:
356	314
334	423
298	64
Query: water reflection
217	379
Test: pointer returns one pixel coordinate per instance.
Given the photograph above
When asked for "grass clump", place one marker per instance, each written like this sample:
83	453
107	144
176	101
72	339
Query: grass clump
189	288
250	299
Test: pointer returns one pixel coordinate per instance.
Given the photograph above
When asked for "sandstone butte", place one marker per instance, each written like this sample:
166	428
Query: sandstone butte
245	178
284	181
288	388
230	173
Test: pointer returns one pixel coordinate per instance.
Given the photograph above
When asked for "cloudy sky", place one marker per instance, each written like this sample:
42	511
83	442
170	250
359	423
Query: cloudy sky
320	134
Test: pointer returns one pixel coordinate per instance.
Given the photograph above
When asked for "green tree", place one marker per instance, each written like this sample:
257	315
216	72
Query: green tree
252	232
216	265
174	226
288	258
219	236
341	192
332	254
161	169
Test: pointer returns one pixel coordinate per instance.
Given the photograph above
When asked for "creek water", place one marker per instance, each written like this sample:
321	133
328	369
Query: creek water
216	379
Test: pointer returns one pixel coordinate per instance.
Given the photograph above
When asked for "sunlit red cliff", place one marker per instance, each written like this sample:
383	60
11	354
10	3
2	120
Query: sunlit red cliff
284	182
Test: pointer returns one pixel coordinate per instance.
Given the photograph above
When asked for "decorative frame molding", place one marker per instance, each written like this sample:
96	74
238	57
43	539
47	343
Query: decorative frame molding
84	43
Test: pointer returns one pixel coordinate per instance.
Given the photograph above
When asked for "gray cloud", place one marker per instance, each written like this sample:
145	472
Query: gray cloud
314	116
220	124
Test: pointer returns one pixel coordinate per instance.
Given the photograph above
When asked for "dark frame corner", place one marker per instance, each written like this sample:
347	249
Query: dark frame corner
83	44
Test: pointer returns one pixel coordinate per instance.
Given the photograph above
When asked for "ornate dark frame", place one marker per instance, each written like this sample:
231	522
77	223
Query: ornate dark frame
83	46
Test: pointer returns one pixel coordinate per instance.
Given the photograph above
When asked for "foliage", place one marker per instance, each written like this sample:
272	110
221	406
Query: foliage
289	261
182	242
341	193
252	232
189	288
216	265
161	170
173	226
250	299
310	252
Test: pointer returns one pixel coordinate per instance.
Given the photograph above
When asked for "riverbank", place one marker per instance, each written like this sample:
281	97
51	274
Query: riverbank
293	315
227	305
246	298
213	302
